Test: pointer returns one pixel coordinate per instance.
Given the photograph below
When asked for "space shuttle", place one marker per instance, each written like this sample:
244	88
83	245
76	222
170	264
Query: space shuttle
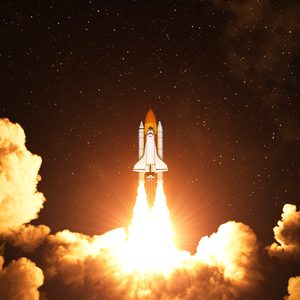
150	165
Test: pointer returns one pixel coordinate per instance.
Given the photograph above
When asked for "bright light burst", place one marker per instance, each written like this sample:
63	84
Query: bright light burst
150	243
148	246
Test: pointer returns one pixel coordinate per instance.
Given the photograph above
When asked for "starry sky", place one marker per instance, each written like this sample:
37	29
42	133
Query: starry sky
221	76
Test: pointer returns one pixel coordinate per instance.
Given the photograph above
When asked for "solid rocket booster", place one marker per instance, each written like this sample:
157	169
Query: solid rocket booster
150	162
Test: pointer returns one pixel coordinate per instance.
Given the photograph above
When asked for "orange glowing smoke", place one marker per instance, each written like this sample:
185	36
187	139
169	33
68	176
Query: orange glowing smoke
139	263
143	262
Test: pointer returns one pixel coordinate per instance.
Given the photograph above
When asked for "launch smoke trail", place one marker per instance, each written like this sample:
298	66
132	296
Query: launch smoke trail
140	262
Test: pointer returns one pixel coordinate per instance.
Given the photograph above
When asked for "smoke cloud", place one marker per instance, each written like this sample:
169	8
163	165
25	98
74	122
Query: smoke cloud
287	235
293	289
91	266
27	237
88	267
228	264
20	201
20	280
234	249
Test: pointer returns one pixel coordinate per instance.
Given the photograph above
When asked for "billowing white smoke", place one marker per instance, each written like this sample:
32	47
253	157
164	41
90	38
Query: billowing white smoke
293	289
20	201
234	249
225	267
20	280
287	235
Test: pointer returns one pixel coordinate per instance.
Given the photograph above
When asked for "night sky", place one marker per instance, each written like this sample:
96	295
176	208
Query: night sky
221	76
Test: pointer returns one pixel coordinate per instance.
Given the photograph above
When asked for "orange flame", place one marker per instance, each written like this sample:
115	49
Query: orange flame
150	245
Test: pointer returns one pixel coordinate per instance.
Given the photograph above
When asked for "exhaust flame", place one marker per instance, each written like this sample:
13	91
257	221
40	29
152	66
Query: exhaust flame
150	242
144	263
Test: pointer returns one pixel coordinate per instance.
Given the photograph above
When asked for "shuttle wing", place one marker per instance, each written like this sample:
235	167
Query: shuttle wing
160	165
143	166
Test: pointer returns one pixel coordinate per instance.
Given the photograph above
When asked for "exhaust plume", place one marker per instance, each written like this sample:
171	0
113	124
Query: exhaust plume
141	263
225	267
